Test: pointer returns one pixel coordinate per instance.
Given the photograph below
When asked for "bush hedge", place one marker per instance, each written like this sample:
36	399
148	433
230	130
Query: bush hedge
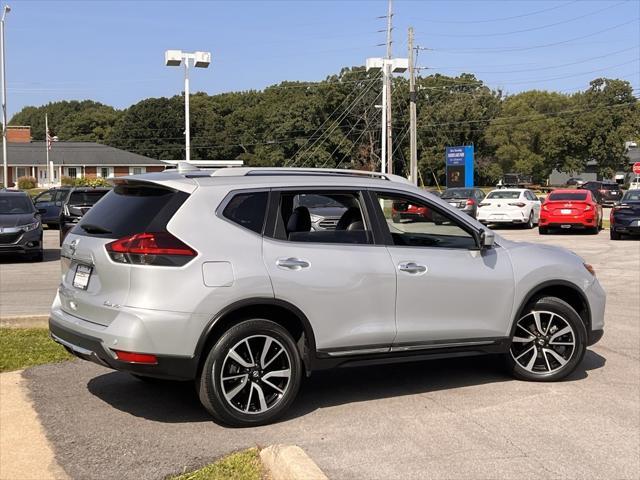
26	183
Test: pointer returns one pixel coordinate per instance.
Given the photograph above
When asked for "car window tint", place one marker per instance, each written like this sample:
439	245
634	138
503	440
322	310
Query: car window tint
412	223
504	194
47	196
61	195
570	196
15	204
88	197
631	196
247	210
322	217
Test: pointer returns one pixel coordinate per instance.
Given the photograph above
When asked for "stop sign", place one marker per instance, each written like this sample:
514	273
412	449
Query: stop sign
636	168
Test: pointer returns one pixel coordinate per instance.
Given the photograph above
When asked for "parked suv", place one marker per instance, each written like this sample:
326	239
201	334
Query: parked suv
609	192
77	202
50	203
20	225
219	277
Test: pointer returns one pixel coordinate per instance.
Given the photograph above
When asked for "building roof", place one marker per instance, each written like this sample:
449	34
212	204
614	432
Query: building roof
74	154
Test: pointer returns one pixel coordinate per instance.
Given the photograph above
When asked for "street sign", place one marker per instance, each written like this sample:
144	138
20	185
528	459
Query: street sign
459	165
636	168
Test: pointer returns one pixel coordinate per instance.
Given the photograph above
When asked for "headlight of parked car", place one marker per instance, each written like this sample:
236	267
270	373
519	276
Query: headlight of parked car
30	226
315	218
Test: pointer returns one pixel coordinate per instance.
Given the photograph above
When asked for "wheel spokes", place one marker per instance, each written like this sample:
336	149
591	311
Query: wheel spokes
235	390
238	359
562	361
277	373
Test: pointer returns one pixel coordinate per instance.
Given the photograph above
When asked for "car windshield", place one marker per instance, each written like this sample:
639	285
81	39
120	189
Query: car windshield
316	201
567	196
457	193
631	196
504	194
15	205
88	197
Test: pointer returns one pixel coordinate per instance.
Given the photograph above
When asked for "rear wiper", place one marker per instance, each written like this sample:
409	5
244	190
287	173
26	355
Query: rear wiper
91	228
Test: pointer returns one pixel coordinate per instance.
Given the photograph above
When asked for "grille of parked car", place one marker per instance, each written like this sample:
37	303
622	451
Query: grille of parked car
328	223
9	237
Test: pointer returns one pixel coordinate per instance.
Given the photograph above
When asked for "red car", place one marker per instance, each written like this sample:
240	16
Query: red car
570	209
407	211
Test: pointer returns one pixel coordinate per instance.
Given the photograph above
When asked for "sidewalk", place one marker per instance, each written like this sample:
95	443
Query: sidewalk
25	453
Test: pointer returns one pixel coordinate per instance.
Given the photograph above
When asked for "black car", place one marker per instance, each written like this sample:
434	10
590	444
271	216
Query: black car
625	216
49	203
466	199
78	202
609	191
20	225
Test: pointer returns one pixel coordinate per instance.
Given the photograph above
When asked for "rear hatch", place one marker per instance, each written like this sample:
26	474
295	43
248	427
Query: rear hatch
502	203
97	254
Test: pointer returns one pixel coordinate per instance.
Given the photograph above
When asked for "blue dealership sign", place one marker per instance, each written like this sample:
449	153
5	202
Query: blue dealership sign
459	164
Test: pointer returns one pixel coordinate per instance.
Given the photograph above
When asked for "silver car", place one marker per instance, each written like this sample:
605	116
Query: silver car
219	277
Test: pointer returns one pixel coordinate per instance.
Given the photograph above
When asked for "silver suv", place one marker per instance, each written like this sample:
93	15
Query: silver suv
219	277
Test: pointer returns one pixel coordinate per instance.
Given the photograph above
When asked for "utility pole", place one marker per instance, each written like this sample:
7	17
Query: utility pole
5	162
413	146
387	77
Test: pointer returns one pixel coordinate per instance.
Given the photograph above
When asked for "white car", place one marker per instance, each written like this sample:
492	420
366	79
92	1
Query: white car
514	205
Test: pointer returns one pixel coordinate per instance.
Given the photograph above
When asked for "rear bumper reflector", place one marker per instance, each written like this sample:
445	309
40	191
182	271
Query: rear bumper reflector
132	357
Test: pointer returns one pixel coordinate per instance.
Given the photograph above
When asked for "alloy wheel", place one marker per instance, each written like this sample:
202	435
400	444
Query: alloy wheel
543	342
255	374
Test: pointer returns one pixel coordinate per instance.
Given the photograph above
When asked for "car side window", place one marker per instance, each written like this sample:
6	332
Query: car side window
44	197
247	210
61	195
322	217
414	223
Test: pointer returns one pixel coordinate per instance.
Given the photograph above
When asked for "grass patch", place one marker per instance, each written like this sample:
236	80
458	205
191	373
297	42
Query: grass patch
244	465
26	347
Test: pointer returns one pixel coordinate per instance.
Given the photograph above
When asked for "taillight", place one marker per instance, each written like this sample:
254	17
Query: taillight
470	202
587	208
151	248
132	357
545	207
602	190
518	204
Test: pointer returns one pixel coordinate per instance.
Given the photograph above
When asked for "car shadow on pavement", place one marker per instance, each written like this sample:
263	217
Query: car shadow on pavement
50	255
177	402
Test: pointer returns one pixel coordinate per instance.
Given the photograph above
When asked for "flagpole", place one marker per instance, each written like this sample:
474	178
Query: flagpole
46	147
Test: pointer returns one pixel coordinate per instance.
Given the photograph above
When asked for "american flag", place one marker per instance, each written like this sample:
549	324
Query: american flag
49	140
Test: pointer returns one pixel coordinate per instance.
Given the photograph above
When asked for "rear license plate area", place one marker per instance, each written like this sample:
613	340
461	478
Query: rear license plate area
565	226
82	276
565	211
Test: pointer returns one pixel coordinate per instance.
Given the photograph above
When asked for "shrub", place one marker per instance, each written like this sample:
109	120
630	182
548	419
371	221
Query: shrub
90	182
27	183
67	181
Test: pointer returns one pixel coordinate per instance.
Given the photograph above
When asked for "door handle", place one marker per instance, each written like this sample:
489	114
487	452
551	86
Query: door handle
412	267
292	263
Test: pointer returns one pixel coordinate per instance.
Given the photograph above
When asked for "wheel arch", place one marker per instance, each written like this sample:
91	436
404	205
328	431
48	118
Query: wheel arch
562	289
282	312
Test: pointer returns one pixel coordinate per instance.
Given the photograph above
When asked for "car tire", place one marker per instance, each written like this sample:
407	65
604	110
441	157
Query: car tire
237	384
543	230
546	354
529	225
613	235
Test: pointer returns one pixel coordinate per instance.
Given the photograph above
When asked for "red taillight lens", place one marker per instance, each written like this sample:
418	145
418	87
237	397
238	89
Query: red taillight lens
150	248
545	208
131	357
587	208
518	204
470	202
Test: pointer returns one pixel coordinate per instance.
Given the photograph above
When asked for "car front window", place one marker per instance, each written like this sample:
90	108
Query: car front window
15	205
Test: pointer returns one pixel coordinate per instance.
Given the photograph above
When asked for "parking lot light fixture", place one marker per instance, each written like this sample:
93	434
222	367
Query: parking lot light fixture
174	58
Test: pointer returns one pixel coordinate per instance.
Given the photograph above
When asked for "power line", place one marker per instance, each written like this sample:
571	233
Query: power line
532	29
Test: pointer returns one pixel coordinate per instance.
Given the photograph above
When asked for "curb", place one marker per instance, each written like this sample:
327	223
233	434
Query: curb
25	321
25	451
290	462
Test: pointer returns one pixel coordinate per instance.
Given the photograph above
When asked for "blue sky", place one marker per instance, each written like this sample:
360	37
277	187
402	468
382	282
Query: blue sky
112	52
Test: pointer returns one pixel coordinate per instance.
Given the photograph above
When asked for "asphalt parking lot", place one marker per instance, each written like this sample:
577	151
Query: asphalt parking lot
460	418
27	287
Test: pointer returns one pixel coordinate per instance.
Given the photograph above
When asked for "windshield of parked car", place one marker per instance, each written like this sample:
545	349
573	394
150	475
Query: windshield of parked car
631	196
457	193
88	197
15	205
567	196
504	194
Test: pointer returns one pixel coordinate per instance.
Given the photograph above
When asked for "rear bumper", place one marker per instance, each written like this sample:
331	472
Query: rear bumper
93	350
574	221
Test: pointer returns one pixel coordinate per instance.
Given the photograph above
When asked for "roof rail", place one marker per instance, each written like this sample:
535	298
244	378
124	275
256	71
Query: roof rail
280	171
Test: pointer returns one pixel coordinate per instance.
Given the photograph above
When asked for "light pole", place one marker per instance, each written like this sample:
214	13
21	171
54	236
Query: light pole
173	58
5	167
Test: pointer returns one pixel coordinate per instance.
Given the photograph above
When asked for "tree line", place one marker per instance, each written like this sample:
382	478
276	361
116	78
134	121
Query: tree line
336	123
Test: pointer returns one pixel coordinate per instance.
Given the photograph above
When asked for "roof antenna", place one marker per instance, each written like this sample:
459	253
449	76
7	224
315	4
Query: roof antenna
185	167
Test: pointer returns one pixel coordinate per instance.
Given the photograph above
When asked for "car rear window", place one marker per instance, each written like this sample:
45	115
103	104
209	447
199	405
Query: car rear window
504	194
568	196
86	197
130	209
610	186
455	193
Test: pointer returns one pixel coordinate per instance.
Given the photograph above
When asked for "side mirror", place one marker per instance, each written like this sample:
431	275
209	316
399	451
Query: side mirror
487	239
58	204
